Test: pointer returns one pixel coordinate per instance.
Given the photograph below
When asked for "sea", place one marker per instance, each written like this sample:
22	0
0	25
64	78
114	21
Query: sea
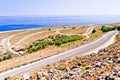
8	23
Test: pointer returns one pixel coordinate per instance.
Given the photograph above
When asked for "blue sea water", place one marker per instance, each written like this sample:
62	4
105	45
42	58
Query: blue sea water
8	23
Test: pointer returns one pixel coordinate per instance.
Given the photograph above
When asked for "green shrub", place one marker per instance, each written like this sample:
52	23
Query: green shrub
5	58
93	31
65	39
57	40
73	27
118	28
9	57
107	28
49	29
57	43
0	59
30	50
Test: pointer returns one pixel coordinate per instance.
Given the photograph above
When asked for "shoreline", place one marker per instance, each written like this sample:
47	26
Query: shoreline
45	27
21	29
55	26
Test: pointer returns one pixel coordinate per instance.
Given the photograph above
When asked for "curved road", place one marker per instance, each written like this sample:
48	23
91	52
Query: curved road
88	48
90	29
26	37
6	42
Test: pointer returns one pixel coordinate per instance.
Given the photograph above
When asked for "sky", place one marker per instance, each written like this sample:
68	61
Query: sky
59	7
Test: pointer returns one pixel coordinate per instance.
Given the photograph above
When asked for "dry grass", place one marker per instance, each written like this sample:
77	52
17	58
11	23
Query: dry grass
16	38
7	34
20	36
97	34
36	37
74	31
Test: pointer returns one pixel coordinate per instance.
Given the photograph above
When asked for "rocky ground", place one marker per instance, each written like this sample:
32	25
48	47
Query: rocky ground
104	65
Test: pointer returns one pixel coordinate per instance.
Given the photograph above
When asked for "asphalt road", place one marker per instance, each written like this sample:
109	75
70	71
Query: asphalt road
6	42
26	37
88	48
89	30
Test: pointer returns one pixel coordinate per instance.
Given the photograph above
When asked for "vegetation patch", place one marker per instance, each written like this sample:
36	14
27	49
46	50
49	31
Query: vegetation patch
5	58
107	28
96	33
118	28
93	31
54	40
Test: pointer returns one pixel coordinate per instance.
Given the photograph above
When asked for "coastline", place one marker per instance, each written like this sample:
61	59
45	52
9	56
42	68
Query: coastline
22	29
56	26
45	27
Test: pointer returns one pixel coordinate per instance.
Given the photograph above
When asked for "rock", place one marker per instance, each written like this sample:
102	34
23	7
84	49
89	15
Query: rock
73	67
26	77
21	52
79	64
107	78
39	75
98	64
66	76
72	73
118	51
43	78
118	78
118	60
105	64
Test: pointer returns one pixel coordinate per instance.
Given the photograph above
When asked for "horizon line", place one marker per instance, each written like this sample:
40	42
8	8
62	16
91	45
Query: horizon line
60	15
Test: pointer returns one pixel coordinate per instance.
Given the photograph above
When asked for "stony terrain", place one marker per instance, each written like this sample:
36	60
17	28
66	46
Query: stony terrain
5	35
104	65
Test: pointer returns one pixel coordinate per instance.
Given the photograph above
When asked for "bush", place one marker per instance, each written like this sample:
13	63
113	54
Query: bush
65	39
93	31
9	57
73	27
30	50
57	40
49	29
118	28
5	58
57	43
107	28
0	59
